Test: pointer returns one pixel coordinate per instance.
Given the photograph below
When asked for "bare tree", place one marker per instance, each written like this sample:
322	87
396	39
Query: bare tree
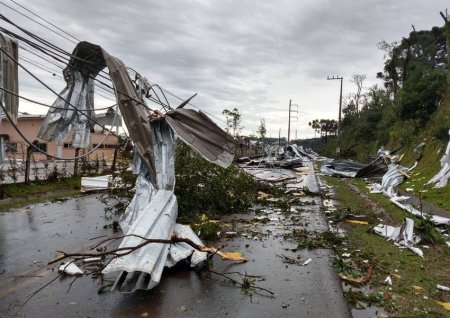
358	80
392	80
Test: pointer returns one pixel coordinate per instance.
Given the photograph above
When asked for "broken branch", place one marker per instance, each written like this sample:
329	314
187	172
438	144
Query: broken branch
244	284
122	251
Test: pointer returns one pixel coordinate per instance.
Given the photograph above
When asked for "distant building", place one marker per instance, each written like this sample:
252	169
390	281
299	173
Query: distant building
29	125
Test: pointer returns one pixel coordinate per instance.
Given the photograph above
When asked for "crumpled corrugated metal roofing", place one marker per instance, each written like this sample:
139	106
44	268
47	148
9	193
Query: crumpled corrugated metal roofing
9	76
441	178
403	235
63	118
153	210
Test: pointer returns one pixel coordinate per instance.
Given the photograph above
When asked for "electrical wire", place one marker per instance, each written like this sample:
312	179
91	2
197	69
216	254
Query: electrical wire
70	66
28	17
54	73
62	67
36	15
36	46
57	54
46	105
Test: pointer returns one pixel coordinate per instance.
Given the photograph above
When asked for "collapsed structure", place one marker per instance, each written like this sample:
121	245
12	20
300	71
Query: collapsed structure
153	210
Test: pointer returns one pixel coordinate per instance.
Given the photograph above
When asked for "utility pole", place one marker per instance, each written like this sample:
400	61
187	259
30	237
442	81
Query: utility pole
338	148
289	123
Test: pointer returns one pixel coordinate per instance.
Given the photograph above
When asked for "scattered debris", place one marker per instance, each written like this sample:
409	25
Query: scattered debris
446	305
359	281
357	222
352	169
442	287
418	289
401	235
70	269
388	280
95	183
441	178
91	259
307	262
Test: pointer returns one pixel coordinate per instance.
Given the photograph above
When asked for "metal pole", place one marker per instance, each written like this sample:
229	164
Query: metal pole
289	124
338	148
279	137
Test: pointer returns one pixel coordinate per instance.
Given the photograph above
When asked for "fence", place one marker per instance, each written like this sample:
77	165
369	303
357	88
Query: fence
13	170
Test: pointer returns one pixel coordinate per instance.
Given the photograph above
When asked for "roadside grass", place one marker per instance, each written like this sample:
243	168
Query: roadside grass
19	194
407	269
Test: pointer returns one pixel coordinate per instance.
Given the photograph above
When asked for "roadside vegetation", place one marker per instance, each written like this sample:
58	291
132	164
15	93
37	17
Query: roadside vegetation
413	291
201	187
411	106
19	194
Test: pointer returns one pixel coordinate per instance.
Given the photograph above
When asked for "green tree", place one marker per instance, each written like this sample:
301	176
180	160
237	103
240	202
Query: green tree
325	127
233	118
421	93
203	187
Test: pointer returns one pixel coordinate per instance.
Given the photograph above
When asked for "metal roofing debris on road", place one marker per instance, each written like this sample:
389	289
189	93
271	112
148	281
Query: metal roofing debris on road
153	210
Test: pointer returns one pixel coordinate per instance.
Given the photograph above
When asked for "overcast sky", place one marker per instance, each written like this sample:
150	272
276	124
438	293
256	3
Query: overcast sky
252	55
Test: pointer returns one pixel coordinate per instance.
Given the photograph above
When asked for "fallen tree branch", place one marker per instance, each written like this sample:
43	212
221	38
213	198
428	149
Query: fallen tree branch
122	251
30	296
244	284
357	281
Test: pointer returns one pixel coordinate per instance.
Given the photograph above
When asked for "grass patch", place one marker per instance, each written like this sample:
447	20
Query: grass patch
406	269
19	194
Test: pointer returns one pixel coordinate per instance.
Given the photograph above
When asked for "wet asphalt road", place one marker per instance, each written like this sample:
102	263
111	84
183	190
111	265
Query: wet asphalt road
30	237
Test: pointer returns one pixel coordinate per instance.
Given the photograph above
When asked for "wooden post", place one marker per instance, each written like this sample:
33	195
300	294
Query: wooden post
27	160
75	165
113	166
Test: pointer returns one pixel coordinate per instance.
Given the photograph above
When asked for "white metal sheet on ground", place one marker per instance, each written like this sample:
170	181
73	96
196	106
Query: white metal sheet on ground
95	183
403	235
441	178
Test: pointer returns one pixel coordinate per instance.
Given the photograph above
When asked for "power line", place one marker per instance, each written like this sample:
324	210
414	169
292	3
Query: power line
110	91
55	73
46	105
57	54
36	15
54	47
28	17
40	48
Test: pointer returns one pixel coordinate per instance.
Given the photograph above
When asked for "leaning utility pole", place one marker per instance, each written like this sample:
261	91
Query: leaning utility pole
289	123
338	148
